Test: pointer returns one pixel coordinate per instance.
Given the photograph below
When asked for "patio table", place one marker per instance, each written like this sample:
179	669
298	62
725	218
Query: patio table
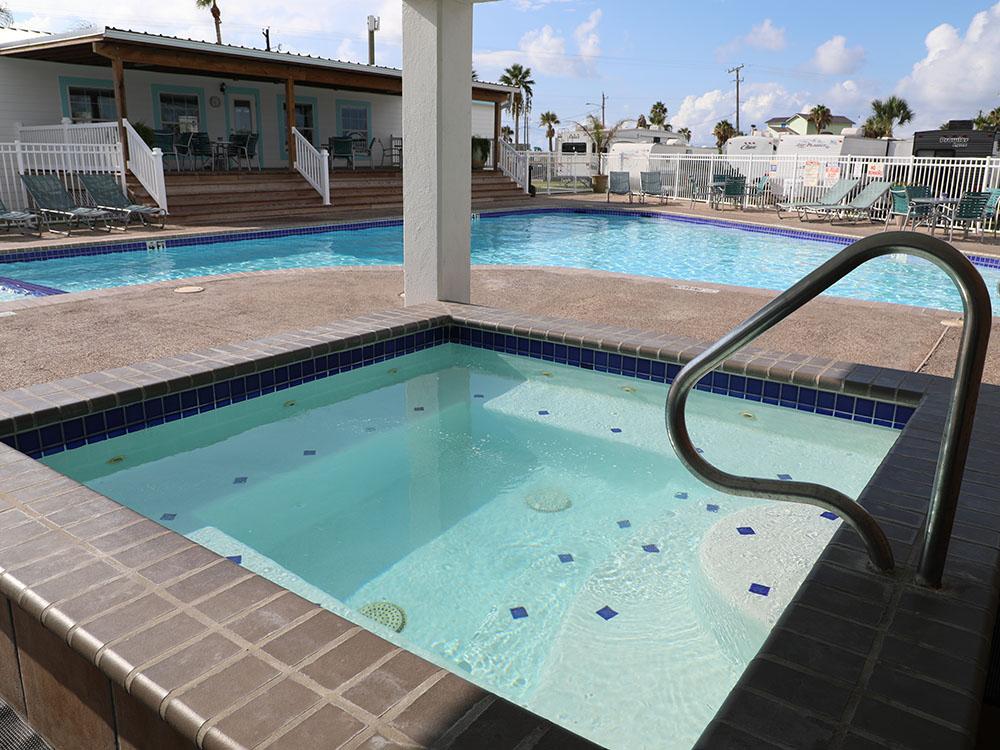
715	190
220	152
936	207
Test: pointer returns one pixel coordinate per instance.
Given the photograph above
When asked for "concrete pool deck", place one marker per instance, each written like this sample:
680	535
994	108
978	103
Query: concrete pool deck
56	337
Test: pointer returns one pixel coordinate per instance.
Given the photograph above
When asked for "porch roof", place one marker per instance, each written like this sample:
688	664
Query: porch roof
142	50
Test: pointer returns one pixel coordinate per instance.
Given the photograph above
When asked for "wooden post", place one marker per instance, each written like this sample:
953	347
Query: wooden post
290	119
118	74
496	136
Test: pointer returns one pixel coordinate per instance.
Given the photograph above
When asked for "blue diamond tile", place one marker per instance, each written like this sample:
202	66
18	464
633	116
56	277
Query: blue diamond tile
369	429
308	453
238	559
168	516
745	530
624	524
650	548
518	612
543	413
565	557
418	408
760	589
477	395
784	477
829	515
681	495
712	508
606	612
616	429
240	480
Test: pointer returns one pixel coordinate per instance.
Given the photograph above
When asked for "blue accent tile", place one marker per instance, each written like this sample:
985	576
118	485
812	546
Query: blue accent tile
825	400
543	413
759	588
681	495
785	477
518	612
168	516
238	559
308	453
606	612
712	508
829	515
745	530
565	557
884	411
616	429
650	548
624	524
240	480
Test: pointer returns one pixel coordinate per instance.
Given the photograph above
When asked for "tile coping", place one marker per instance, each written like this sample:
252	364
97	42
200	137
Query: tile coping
856	656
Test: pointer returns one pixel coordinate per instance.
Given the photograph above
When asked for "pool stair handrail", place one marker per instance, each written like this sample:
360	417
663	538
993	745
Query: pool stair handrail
958	422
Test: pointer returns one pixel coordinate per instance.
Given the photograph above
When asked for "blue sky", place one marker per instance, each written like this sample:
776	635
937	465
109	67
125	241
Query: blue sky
944	58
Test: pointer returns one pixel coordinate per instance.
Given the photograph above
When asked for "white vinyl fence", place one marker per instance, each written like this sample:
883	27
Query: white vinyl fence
313	165
68	160
147	165
96	133
515	164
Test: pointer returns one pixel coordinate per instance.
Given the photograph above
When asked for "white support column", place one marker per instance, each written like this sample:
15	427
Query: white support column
437	162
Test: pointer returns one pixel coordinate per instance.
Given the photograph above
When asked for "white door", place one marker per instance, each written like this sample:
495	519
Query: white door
242	114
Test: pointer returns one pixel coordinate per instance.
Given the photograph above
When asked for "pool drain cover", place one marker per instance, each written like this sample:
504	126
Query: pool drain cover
548	500
189	289
388	614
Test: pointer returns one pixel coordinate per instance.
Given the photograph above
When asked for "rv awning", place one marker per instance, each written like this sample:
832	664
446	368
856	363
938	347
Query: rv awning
143	51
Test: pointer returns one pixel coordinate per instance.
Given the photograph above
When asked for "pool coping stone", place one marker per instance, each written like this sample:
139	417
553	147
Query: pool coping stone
857	656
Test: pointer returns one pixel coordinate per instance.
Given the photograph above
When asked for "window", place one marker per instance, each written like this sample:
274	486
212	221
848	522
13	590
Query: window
179	112
354	119
242	116
92	104
305	121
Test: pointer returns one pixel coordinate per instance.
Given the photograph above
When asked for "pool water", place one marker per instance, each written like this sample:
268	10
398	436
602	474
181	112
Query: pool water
626	244
529	518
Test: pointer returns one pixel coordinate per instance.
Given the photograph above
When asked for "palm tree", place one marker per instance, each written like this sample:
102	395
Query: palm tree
601	135
6	15
685	132
506	132
885	116
658	114
989	121
641	122
475	75
519	77
216	16
820	116
723	131
549	120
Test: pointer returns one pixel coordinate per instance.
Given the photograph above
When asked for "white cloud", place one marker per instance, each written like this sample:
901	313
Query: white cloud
764	36
959	75
545	51
761	101
834	57
537	4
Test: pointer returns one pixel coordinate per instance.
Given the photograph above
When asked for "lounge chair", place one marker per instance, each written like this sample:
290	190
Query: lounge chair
166	141
860	207
970	211
22	219
833	197
651	185
52	200
993	210
619	184
107	194
734	191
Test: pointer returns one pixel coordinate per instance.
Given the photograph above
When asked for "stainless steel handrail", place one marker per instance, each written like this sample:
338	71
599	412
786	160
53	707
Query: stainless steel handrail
958	424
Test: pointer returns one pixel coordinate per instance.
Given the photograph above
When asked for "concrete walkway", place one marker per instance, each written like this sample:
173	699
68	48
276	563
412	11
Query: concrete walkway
74	334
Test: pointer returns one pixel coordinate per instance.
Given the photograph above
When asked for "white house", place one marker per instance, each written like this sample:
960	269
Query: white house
169	83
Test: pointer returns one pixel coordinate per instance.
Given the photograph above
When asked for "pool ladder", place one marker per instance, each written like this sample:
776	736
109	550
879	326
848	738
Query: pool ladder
958	423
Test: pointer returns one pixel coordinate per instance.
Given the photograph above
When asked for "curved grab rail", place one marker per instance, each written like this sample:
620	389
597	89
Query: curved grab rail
958	424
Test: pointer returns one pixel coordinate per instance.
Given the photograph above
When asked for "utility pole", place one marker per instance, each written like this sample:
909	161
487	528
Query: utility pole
737	70
267	38
373	24
604	103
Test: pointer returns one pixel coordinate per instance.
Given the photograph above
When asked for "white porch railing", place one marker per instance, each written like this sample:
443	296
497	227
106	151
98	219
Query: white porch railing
96	133
68	160
147	165
515	164
313	165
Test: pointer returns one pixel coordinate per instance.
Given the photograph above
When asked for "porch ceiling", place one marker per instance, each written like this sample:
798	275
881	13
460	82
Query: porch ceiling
98	50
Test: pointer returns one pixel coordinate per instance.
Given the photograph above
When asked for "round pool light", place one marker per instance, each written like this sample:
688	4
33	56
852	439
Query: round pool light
548	500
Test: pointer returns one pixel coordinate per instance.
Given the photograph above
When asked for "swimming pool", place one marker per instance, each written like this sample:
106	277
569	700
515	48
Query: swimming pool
575	563
659	247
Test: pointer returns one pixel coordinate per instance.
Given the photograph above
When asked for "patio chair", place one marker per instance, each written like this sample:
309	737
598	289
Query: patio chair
760	189
166	141
394	151
52	200
993	210
698	192
619	184
341	147
834	196
651	185
107	194
901	204
970	211
860	207
22	219
734	191
200	148
362	149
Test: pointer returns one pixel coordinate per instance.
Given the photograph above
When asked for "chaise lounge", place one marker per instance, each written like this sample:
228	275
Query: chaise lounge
52	200
833	197
108	195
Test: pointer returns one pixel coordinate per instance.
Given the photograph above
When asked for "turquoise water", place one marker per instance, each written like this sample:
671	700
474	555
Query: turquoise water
417	481
626	244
